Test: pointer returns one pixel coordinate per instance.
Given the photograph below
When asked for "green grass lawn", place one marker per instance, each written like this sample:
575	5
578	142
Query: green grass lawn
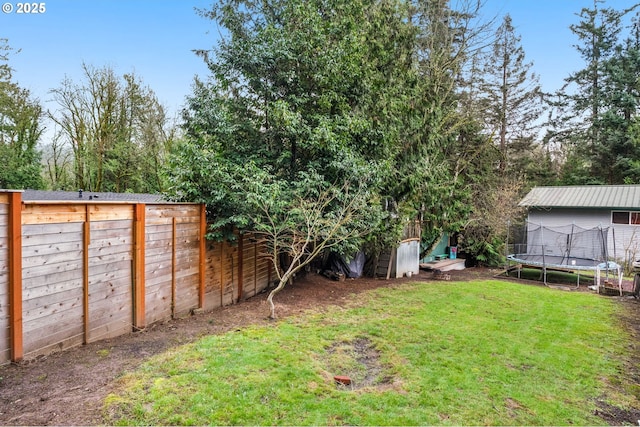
491	353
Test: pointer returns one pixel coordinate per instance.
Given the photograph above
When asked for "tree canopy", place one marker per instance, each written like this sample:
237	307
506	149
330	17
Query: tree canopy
20	130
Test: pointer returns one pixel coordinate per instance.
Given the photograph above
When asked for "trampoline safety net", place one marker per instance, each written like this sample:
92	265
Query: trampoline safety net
568	245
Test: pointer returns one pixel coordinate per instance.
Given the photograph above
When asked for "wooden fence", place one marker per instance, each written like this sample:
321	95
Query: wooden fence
78	272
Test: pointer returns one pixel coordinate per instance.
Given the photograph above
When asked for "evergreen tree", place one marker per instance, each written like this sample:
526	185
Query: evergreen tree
430	173
298	88
512	98
597	107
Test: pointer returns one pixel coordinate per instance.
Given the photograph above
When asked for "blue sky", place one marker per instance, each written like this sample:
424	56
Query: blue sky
155	38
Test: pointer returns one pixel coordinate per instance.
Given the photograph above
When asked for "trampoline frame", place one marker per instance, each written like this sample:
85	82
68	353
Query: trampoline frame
566	262
580	265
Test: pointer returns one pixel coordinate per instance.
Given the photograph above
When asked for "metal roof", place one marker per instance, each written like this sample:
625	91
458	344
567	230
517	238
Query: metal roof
82	196
584	196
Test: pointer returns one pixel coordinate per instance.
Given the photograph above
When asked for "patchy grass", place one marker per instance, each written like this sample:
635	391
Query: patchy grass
491	353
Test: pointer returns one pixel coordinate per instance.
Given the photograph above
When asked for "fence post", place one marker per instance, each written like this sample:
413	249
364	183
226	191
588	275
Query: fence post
15	275
139	266
86	241
203	254
174	243
240	266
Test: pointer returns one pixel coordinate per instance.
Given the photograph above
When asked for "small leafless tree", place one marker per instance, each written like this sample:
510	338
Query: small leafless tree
309	224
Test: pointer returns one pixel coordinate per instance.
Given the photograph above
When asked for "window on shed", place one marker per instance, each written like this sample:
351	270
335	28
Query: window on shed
620	218
625	217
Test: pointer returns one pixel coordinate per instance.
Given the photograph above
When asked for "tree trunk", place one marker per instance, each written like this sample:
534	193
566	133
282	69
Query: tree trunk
281	285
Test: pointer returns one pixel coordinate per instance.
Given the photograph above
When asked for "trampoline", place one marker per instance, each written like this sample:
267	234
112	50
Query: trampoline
567	248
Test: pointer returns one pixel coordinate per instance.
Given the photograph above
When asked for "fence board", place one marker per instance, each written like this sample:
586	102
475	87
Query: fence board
47	305
110	317
100	290
158	300
38	288
61	340
47	270
40	240
110	212
43	250
53	214
52	258
40	229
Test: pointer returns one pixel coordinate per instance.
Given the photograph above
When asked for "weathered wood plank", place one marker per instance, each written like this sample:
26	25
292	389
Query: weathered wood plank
159	303
191	211
158	313
110	328
186	269
103	290
186	220
39	288
69	316
110	250
58	228
29	239
118	257
159	270
159	232
38	251
125	240
5	320
55	340
212	300
186	227
5	356
110	271
158	249
69	266
49	305
67	276
187	303
160	284
123	224
65	344
187	282
113	310
50	258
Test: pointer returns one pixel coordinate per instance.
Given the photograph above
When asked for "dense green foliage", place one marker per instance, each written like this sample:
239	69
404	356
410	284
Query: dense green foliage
472	353
279	101
379	107
20	130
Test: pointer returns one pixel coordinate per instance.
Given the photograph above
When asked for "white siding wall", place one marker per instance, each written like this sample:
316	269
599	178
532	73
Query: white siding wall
624	240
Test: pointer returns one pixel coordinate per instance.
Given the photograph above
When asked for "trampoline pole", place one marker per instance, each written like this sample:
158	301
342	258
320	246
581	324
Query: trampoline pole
506	250
544	262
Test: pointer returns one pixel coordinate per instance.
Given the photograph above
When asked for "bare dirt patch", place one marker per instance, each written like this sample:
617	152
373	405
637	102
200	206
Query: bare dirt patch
68	388
359	361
